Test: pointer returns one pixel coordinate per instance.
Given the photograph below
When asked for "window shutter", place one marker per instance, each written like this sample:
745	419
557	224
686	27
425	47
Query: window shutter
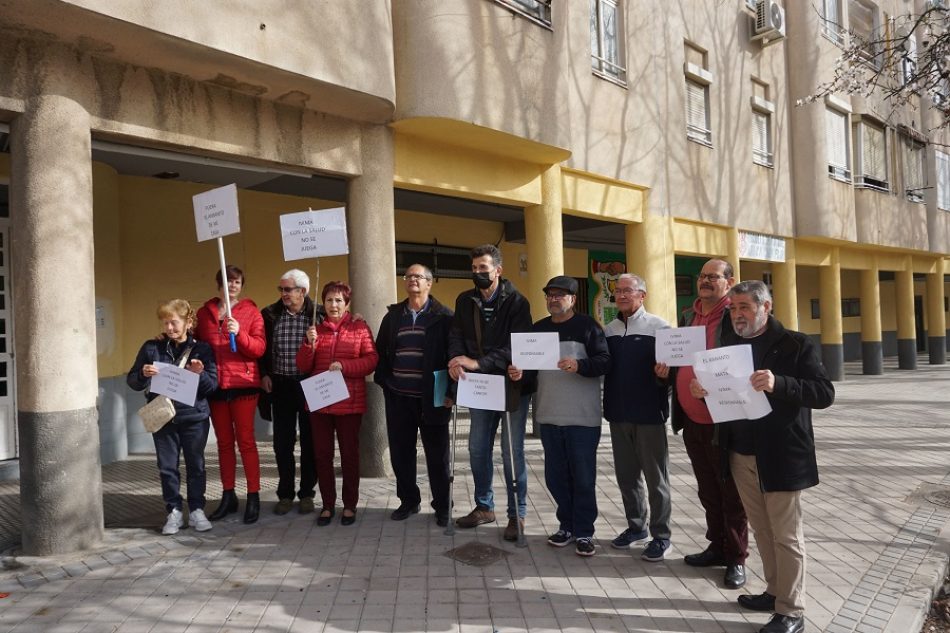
837	138
696	106
760	138
873	159
943	180
913	165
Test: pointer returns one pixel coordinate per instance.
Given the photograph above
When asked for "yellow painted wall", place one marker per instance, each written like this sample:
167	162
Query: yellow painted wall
691	238
850	289
807	290
113	357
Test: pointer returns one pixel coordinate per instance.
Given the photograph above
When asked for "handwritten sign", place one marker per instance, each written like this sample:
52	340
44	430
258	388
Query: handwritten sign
324	389
535	350
676	346
724	373
309	234
181	385
482	391
216	213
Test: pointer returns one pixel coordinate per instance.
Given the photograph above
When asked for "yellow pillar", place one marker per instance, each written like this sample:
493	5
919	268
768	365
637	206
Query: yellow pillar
829	298
785	288
936	316
734	254
872	349
544	238
650	255
906	328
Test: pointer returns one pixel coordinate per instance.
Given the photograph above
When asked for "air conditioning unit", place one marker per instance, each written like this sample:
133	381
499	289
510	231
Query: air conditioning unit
935	4
769	21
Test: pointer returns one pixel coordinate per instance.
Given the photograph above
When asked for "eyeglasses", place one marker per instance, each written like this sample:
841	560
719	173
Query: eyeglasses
415	278
711	277
287	289
626	291
557	296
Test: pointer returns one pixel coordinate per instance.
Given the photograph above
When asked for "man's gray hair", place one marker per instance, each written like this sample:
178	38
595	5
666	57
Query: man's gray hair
425	270
301	279
637	279
755	289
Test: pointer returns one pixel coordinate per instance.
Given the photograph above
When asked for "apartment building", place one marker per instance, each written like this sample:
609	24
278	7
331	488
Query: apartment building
585	138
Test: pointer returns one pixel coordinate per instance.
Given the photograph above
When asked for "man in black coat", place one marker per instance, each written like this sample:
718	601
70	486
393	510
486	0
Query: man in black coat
772	459
413	344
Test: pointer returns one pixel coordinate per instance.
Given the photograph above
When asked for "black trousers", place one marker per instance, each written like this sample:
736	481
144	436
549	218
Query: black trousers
290	415
404	418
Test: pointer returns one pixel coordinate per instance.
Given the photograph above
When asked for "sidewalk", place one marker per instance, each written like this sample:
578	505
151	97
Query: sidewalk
876	528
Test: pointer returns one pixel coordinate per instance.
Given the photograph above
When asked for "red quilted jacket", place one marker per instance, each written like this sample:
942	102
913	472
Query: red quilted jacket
236	370
351	343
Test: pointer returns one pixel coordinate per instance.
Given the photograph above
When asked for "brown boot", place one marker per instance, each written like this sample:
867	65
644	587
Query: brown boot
511	530
479	516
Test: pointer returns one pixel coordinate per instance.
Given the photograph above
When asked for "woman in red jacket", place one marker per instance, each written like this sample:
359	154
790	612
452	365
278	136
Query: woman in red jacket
343	345
234	403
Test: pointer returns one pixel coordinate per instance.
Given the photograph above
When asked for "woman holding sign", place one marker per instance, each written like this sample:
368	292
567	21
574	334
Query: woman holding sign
239	379
187	433
339	344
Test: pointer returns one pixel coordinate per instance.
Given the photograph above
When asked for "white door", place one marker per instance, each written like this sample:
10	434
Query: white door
8	431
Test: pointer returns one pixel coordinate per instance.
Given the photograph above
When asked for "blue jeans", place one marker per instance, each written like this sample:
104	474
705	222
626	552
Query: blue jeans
481	443
171	442
570	472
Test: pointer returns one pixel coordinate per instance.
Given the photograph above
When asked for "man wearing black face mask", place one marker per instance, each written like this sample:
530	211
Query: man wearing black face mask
480	341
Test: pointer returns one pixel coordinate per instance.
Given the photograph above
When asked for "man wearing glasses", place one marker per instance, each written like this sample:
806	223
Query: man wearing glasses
726	526
285	327
636	405
413	344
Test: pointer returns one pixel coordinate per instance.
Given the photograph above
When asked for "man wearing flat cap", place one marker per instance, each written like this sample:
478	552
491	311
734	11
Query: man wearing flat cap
567	407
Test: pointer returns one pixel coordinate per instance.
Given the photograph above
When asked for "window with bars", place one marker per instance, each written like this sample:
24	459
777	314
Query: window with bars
831	21
871	156
537	10
607	55
943	180
839	164
915	180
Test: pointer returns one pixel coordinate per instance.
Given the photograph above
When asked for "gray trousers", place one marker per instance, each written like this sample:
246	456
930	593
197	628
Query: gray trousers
642	449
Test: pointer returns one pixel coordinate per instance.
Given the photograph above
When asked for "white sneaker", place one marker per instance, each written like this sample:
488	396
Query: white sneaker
198	521
173	523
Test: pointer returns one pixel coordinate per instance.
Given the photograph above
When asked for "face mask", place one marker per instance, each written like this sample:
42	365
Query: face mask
482	281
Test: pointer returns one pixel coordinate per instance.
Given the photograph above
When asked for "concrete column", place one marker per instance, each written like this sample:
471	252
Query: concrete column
544	237
829	298
936	317
650	254
872	349
55	342
906	328
372	268
785	288
734	254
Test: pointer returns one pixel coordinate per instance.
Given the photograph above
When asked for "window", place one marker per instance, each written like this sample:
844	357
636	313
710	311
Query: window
839	166
849	308
943	180
447	262
913	158
698	79
831	21
871	156
762	110
537	10
606	40
909	59
865	27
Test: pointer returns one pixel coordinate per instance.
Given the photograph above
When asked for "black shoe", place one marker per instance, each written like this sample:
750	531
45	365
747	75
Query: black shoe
323	518
709	557
758	602
735	576
442	518
403	511
228	505
252	508
348	519
784	624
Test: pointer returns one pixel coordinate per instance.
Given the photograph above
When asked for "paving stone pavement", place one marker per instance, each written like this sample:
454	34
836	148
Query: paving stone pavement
877	531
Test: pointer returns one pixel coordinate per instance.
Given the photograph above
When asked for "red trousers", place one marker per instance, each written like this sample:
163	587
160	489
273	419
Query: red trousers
347	429
233	420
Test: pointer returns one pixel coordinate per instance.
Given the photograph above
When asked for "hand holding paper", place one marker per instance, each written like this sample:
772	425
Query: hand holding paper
726	375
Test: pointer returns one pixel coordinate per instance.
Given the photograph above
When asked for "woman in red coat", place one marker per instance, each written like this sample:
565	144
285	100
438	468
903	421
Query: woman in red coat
234	403
343	345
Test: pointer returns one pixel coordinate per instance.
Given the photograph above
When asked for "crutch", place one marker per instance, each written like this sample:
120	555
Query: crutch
450	527
514	481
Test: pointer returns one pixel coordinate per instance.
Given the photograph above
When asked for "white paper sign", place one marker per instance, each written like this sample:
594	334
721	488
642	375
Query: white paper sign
535	350
216	213
724	373
482	391
676	346
310	234
324	389
181	385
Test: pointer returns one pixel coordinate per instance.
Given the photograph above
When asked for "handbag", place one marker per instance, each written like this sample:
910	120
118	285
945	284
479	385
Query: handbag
160	410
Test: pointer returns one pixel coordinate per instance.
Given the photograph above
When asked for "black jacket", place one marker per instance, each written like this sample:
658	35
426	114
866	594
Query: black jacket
435	355
164	351
512	314
784	440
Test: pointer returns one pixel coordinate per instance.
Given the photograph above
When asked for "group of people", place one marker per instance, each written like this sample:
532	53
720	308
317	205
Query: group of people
748	472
